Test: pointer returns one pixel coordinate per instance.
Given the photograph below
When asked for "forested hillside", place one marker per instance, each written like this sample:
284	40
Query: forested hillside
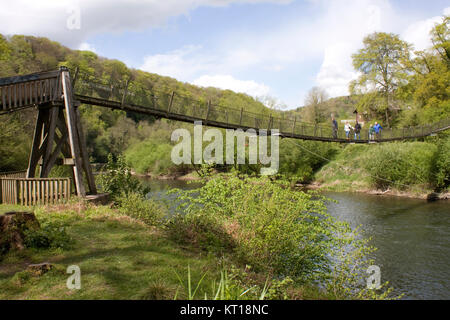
107	131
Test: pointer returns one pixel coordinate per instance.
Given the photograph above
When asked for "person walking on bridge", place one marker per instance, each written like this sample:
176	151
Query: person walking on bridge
377	128
347	129
335	127
357	130
371	132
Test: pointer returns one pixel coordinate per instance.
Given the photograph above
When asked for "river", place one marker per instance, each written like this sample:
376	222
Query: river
412	236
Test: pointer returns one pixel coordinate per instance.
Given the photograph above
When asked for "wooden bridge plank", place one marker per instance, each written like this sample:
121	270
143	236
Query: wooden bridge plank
84	154
73	135
3	98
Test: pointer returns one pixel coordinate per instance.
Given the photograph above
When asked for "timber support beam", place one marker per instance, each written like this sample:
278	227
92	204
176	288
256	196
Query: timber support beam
58	131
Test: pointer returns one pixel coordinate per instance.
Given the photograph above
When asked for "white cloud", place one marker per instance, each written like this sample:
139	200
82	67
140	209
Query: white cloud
325	37
418	33
49	17
87	47
249	87
336	71
183	64
332	36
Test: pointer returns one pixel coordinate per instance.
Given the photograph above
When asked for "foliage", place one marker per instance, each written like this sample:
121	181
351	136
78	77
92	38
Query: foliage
430	73
150	156
236	285
137	206
200	231
14	144
298	163
314	104
400	165
50	235
116	179
272	229
441	164
381	63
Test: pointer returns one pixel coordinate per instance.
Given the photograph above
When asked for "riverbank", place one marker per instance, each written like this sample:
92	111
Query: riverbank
416	193
332	185
397	226
191	176
411	170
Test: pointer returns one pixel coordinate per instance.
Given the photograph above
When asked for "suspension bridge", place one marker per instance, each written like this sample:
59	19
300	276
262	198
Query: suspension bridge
58	131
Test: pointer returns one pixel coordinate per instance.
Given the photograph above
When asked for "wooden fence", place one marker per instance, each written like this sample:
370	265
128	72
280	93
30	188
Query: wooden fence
29	192
14	174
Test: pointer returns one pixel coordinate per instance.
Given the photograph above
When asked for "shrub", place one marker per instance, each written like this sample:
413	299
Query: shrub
265	224
48	236
116	179
200	231
272	227
401	164
137	206
442	164
294	160
150	156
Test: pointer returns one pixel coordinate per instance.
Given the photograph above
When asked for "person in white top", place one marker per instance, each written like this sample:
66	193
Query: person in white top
347	129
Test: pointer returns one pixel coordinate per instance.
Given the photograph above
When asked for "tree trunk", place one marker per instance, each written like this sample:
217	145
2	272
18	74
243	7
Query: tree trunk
12	229
387	110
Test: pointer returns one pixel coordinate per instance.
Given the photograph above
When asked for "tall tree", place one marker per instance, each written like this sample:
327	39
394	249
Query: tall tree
381	63
4	49
440	36
315	105
431	76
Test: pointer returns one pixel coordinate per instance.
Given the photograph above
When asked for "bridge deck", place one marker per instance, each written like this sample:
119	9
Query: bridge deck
43	88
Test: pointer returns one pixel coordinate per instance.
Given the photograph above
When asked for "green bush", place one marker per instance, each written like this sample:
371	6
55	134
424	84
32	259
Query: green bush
116	179
442	164
49	235
200	231
271	227
137	206
150	156
401	164
296	161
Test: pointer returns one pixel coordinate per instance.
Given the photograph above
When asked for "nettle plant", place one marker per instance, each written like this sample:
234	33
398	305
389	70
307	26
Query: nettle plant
116	179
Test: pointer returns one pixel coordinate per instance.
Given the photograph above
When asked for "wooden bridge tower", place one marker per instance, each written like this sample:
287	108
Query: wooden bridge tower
58	129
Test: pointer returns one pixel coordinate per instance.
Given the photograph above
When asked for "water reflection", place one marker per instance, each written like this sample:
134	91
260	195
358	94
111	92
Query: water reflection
412	237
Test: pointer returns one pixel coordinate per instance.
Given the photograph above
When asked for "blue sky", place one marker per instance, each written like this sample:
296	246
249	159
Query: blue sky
279	48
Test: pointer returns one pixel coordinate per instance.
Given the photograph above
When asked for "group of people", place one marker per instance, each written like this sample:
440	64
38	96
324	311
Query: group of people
374	130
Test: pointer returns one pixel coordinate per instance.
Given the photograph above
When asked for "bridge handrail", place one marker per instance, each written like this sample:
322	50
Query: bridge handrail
21	92
126	92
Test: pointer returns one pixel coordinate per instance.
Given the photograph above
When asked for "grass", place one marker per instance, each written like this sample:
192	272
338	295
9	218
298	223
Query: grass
348	171
119	258
11	207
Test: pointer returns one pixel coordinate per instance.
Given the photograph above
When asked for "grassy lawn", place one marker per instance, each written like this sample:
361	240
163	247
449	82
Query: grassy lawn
119	258
10	207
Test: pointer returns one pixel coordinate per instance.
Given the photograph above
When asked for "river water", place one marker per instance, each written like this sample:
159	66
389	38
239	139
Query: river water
412	236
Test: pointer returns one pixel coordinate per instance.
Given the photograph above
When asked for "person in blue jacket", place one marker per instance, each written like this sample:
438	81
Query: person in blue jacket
377	128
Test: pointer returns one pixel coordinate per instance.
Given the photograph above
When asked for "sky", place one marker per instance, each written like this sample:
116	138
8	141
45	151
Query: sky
277	48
